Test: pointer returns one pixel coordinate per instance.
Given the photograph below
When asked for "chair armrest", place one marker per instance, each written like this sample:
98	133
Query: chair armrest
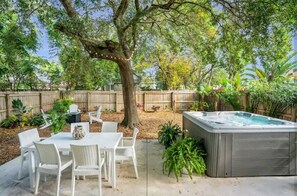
124	147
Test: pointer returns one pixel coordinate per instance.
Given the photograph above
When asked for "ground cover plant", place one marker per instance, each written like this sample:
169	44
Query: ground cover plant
168	133
21	117
185	154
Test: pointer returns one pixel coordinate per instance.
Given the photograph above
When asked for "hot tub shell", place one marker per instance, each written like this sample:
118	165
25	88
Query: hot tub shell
245	150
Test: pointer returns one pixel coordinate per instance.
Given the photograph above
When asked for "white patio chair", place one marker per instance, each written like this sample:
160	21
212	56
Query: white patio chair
109	127
73	108
85	125
46	118
95	115
127	152
26	139
87	161
50	162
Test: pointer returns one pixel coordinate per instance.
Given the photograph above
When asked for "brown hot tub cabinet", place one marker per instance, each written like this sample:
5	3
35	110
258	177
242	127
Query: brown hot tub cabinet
244	150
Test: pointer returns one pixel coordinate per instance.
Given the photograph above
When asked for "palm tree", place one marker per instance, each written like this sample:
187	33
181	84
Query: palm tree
284	67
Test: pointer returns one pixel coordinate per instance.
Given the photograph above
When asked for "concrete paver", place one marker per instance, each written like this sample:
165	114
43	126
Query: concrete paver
151	182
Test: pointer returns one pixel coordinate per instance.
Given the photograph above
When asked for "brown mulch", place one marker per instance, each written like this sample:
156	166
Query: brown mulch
148	129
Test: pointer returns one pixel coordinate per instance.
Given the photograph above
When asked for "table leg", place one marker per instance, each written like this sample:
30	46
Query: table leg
113	170
31	168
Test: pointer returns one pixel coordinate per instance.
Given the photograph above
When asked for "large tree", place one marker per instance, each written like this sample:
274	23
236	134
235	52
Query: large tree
111	29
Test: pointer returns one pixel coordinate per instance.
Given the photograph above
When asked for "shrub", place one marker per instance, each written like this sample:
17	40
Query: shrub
58	121
10	122
276	97
36	120
188	154
62	105
17	104
199	106
168	133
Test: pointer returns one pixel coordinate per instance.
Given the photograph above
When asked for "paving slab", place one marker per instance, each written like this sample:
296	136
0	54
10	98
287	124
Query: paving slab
151	182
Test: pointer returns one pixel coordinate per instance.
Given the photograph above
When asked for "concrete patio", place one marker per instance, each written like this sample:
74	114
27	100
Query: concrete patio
151	180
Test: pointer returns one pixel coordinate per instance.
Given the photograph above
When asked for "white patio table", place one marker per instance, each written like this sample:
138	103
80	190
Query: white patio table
108	142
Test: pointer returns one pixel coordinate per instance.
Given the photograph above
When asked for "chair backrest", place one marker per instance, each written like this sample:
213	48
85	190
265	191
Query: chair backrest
73	108
48	154
45	116
85	155
135	132
85	125
110	127
98	113
28	137
42	112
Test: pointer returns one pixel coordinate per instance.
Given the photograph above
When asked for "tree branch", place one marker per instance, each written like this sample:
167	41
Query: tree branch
68	6
137	7
121	10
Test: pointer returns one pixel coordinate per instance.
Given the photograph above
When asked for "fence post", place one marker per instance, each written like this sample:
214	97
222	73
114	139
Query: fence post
173	106
294	115
40	101
88	101
116	102
216	103
247	102
61	95
7	99
144	101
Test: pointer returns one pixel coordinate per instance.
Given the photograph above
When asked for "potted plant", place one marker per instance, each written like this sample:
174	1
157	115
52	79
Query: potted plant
168	133
186	154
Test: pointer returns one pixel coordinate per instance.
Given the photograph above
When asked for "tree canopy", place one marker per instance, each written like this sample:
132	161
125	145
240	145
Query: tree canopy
214	34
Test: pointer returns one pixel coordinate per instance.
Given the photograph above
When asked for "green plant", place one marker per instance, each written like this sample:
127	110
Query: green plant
58	121
188	154
17	104
204	91
231	92
36	120
276	97
168	133
62	105
108	110
199	106
10	122
24	120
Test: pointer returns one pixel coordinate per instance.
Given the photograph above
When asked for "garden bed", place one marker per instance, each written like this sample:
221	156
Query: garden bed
149	127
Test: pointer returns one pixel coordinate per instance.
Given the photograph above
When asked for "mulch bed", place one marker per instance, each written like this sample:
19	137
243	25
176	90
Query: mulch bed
148	129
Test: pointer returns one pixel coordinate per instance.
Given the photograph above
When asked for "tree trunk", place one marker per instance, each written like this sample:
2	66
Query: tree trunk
129	95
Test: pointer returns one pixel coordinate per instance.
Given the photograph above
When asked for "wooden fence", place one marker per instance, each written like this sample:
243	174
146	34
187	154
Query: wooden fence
113	101
35	100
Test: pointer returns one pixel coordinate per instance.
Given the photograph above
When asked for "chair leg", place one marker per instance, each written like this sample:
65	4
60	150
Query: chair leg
105	170
73	184
37	181
21	166
135	164
99	183
58	183
109	168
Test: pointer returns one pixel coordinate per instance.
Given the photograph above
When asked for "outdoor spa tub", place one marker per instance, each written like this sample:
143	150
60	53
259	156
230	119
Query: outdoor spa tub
244	144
